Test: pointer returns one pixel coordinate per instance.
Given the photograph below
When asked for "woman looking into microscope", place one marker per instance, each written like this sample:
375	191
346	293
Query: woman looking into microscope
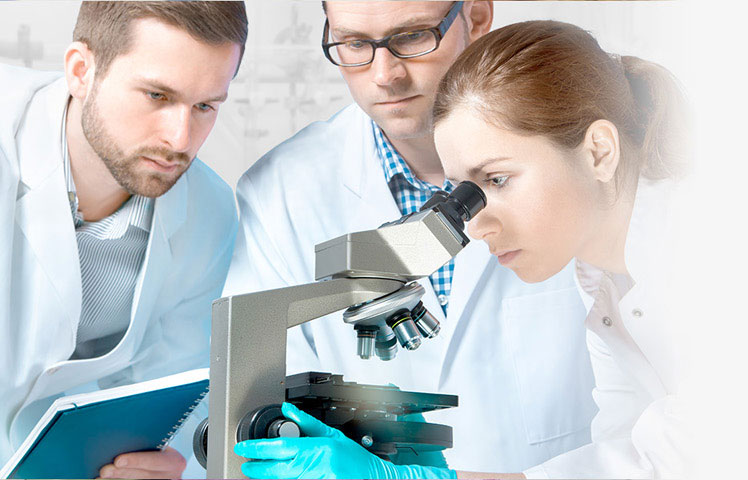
577	153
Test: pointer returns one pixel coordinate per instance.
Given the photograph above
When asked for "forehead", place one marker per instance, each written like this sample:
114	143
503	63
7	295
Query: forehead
380	18
172	56
466	143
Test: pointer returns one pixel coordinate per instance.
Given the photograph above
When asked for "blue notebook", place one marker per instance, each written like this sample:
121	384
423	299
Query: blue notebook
79	434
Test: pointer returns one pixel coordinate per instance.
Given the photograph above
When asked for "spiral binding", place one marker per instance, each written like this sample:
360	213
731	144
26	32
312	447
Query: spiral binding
175	428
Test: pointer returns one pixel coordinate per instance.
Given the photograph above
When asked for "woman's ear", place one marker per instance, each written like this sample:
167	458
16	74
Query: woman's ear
79	69
602	149
479	17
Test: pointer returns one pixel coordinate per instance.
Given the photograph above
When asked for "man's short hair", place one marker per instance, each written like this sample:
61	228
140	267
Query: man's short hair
105	27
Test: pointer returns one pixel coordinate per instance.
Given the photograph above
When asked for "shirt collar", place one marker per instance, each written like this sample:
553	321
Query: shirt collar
393	164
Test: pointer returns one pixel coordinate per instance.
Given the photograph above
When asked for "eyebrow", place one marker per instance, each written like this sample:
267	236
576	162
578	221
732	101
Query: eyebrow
421	22
476	169
156	85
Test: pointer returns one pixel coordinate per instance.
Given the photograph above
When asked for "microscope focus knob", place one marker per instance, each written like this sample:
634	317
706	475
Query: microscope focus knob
266	422
284	428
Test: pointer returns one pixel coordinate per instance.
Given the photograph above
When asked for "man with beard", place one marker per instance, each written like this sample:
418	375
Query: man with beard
115	238
372	162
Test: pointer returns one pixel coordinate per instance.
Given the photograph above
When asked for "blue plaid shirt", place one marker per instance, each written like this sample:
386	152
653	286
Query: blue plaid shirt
410	193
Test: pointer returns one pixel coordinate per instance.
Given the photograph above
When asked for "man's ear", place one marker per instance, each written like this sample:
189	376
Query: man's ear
479	17
602	149
79	69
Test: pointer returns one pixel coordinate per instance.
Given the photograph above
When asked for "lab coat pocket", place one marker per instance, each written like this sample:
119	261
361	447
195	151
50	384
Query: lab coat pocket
552	367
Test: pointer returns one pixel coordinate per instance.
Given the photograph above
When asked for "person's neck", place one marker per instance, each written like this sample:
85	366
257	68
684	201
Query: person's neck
99	194
607	247
420	155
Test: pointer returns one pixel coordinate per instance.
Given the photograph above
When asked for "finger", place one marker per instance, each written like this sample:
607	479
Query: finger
309	425
270	469
107	471
115	472
275	449
167	460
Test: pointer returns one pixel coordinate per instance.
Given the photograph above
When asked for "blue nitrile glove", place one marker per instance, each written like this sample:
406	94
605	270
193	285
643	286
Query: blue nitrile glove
324	453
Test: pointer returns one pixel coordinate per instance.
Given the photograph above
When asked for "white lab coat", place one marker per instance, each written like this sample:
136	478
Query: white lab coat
638	356
187	257
514	353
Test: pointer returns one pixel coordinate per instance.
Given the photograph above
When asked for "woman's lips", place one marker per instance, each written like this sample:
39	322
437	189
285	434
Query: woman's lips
506	256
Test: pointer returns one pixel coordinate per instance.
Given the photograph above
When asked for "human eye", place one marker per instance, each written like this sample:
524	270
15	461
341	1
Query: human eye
204	107
414	36
355	44
155	96
498	182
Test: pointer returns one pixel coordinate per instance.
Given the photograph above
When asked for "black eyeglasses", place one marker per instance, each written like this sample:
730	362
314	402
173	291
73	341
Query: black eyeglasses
355	53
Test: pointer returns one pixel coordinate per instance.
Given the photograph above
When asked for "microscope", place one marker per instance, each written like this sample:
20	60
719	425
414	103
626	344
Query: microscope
372	275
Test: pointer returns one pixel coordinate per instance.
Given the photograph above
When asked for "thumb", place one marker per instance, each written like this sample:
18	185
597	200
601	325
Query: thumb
310	426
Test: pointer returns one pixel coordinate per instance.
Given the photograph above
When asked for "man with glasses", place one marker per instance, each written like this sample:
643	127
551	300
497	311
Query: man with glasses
371	163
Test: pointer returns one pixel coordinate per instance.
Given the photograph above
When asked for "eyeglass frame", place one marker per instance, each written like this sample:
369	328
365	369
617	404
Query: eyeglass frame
438	31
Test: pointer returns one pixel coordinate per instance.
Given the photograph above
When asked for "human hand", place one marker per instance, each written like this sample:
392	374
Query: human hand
166	463
324	453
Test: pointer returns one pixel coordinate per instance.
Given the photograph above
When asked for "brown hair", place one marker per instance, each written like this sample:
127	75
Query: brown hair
551	78
105	26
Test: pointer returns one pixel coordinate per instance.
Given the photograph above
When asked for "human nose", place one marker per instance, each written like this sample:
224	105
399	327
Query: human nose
176	129
387	68
481	225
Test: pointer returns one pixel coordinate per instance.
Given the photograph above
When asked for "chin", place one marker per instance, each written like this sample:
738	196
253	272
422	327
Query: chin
151	185
530	275
400	128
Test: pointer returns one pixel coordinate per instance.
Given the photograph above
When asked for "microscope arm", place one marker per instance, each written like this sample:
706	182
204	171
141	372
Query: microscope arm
248	352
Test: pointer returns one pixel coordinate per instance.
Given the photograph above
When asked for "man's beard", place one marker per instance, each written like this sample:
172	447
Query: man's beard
123	167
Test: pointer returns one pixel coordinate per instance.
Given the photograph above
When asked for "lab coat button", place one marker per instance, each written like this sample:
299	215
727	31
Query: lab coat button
637	313
443	300
607	321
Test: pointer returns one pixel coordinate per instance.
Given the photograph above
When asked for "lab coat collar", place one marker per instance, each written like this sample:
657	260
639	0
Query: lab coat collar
363	176
45	113
39	143
360	154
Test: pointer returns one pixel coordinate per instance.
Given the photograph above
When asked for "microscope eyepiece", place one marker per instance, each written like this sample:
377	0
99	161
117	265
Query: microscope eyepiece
465	201
468	199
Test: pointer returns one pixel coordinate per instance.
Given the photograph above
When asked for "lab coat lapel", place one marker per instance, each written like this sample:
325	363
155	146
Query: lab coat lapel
41	174
471	265
372	202
169	214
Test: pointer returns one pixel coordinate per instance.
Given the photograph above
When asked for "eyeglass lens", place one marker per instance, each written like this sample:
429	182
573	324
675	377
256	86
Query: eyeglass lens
404	44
